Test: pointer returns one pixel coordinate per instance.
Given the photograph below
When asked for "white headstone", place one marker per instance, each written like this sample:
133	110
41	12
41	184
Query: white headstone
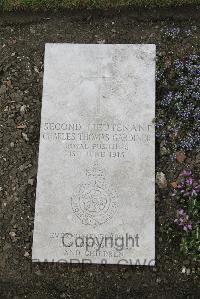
95	184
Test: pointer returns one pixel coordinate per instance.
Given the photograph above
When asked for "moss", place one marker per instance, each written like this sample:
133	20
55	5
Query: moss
48	4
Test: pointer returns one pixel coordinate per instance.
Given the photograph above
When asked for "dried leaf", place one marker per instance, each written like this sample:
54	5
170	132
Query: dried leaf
174	185
180	156
21	126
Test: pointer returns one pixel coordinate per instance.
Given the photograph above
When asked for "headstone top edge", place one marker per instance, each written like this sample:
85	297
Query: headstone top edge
98	45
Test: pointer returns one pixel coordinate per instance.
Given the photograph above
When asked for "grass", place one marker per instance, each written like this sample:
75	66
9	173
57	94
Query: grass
56	4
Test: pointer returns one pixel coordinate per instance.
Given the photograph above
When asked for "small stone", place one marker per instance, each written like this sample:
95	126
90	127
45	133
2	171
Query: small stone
163	150
36	69
32	30
25	137
188	271
21	167
158	279
21	126
12	144
161	180
26	254
31	182
102	41
183	269
23	109
12	234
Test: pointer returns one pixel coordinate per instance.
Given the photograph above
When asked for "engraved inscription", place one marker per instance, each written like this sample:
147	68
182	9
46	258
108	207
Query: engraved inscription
97	140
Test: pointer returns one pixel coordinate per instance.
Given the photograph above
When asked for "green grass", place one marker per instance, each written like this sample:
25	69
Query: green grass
56	4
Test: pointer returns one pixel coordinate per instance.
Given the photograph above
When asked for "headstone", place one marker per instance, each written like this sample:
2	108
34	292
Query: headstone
95	184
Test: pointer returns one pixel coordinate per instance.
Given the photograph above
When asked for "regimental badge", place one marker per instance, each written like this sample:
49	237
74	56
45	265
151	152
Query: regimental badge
94	202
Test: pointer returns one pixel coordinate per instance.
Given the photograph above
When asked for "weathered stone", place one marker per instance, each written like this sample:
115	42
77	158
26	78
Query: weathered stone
161	180
95	185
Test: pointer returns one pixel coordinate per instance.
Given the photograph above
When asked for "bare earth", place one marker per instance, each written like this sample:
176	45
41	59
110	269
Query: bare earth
22	40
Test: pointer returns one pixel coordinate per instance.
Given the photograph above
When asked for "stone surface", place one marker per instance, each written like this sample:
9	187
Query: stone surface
161	180
95	184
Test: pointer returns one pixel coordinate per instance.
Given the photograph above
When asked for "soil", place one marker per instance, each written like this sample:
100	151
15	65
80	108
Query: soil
22	40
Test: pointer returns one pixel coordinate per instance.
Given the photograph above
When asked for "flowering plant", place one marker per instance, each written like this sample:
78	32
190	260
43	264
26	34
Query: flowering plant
187	194
178	113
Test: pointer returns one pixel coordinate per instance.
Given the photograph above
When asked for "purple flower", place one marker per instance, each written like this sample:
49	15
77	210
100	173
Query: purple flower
189	181
186	173
182	220
187	227
179	186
